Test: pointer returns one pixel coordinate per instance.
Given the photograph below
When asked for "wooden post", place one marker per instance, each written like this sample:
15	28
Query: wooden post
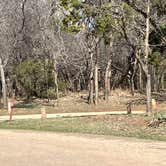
43	113
129	109
154	105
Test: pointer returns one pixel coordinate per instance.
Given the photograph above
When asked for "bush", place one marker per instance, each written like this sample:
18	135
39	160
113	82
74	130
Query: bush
35	77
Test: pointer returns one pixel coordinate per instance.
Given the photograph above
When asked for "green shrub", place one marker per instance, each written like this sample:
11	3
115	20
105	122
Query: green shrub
35	77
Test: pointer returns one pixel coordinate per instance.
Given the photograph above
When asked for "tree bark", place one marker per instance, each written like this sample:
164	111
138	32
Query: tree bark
91	88
140	78
148	84
56	78
154	79
162	82
96	81
144	64
132	77
91	82
107	80
148	93
4	91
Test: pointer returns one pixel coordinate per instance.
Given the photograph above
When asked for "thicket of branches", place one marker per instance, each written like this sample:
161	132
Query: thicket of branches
49	46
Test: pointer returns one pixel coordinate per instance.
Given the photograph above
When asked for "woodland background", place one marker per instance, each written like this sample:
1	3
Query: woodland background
49	48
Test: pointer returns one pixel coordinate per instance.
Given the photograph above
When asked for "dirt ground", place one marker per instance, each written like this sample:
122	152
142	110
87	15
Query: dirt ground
77	102
26	148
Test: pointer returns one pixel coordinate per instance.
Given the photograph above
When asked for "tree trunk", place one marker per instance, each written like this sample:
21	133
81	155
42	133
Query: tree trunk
91	82
148	93
79	85
154	79
107	81
56	78
96	80
9	88
148	84
140	78
162	82
132	77
56	85
96	83
91	88
4	92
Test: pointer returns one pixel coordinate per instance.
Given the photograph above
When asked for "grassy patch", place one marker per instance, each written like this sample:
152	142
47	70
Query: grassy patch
128	126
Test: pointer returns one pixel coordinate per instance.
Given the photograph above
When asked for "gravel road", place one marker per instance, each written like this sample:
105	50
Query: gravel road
29	148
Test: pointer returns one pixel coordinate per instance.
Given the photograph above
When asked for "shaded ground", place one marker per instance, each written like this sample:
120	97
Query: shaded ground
20	148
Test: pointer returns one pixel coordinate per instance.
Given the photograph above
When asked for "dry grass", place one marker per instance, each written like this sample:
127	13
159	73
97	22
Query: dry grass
77	102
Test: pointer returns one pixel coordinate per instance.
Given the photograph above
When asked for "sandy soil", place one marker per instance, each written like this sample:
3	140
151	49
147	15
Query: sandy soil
26	148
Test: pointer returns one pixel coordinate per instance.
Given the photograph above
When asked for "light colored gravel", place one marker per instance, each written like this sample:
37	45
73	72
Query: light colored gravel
26	148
